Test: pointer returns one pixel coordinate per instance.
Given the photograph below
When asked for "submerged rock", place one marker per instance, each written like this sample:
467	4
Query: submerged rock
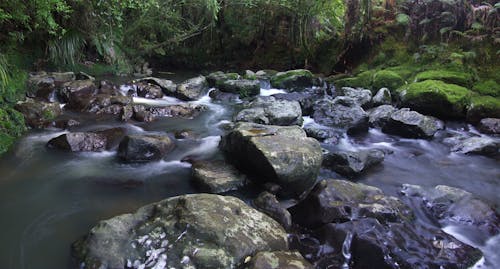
144	148
294	80
192	89
217	176
283	155
350	163
243	87
88	141
489	126
266	202
278	260
411	124
38	114
341	112
197	231
270	111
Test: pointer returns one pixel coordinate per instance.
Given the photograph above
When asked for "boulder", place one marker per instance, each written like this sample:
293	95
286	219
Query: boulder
478	145
195	231
278	260
108	87
150	91
387	79
41	86
489	126
454	206
216	176
188	111
224	96
88	141
453	77
298	79
361	96
322	133
383	97
268	110
436	98
380	116
306	99
483	107
249	74
192	89
283	155
38	114
72	91
168	87
341	112
340	201
243	87
411	124
144	148
266	202
216	79
352	163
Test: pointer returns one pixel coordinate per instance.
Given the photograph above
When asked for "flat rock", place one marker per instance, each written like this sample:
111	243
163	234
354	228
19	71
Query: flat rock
351	163
478	145
192	89
144	148
278	260
270	111
412	124
216	176
341	112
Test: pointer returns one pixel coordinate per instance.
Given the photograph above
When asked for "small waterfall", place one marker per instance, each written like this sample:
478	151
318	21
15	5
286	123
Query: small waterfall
346	250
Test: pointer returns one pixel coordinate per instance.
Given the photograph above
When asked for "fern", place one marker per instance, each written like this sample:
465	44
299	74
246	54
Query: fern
67	50
4	74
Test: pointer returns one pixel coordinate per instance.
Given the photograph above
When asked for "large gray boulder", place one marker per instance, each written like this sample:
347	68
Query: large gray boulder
268	110
266	202
144	148
284	155
380	116
352	163
38	114
341	112
412	124
72	91
192	231
88	141
362	97
243	87
306	98
192	89
217	176
298	79
478	145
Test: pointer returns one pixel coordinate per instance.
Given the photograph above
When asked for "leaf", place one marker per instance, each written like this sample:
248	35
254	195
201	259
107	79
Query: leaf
424	21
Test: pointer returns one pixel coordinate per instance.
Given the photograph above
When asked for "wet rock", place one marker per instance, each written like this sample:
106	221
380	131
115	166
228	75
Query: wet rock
380	116
185	134
383	97
478	145
101	103
321	133
412	124
65	123
192	89
350	163
216	79
88	141
83	76
283	155
278	260
243	87
38	114
108	88
249	74
188	111
341	112
217	176
306	98
150	91
168	87
483	107
294	80
361	96
372	244
127	113
72	91
455	206
271	111
267	203
340	201
144	148
489	126
197	231
223	96
265	74
43	85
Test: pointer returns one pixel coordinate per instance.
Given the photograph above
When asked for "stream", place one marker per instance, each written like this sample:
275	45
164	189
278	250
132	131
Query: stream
50	198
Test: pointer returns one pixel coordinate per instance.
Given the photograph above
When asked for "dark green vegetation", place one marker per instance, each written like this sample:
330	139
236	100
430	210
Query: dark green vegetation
363	43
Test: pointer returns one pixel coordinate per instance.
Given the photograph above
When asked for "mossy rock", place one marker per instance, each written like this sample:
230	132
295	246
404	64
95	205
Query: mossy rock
483	107
436	98
294	79
362	80
216	79
405	71
453	77
487	87
387	79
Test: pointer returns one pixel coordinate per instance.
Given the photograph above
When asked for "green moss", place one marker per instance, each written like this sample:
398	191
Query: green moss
437	98
292	78
362	80
404	71
483	107
11	126
487	87
6	142
388	79
453	77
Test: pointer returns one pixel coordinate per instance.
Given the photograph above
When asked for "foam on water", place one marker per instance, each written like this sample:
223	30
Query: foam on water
207	148
165	101
269	92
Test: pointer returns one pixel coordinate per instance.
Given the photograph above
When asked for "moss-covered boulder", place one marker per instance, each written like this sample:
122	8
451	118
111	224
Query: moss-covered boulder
436	98
38	114
361	80
453	77
483	107
194	231
243	87
387	79
215	79
487	87
294	80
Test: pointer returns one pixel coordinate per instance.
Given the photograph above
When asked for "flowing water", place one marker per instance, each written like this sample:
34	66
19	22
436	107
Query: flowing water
49	199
